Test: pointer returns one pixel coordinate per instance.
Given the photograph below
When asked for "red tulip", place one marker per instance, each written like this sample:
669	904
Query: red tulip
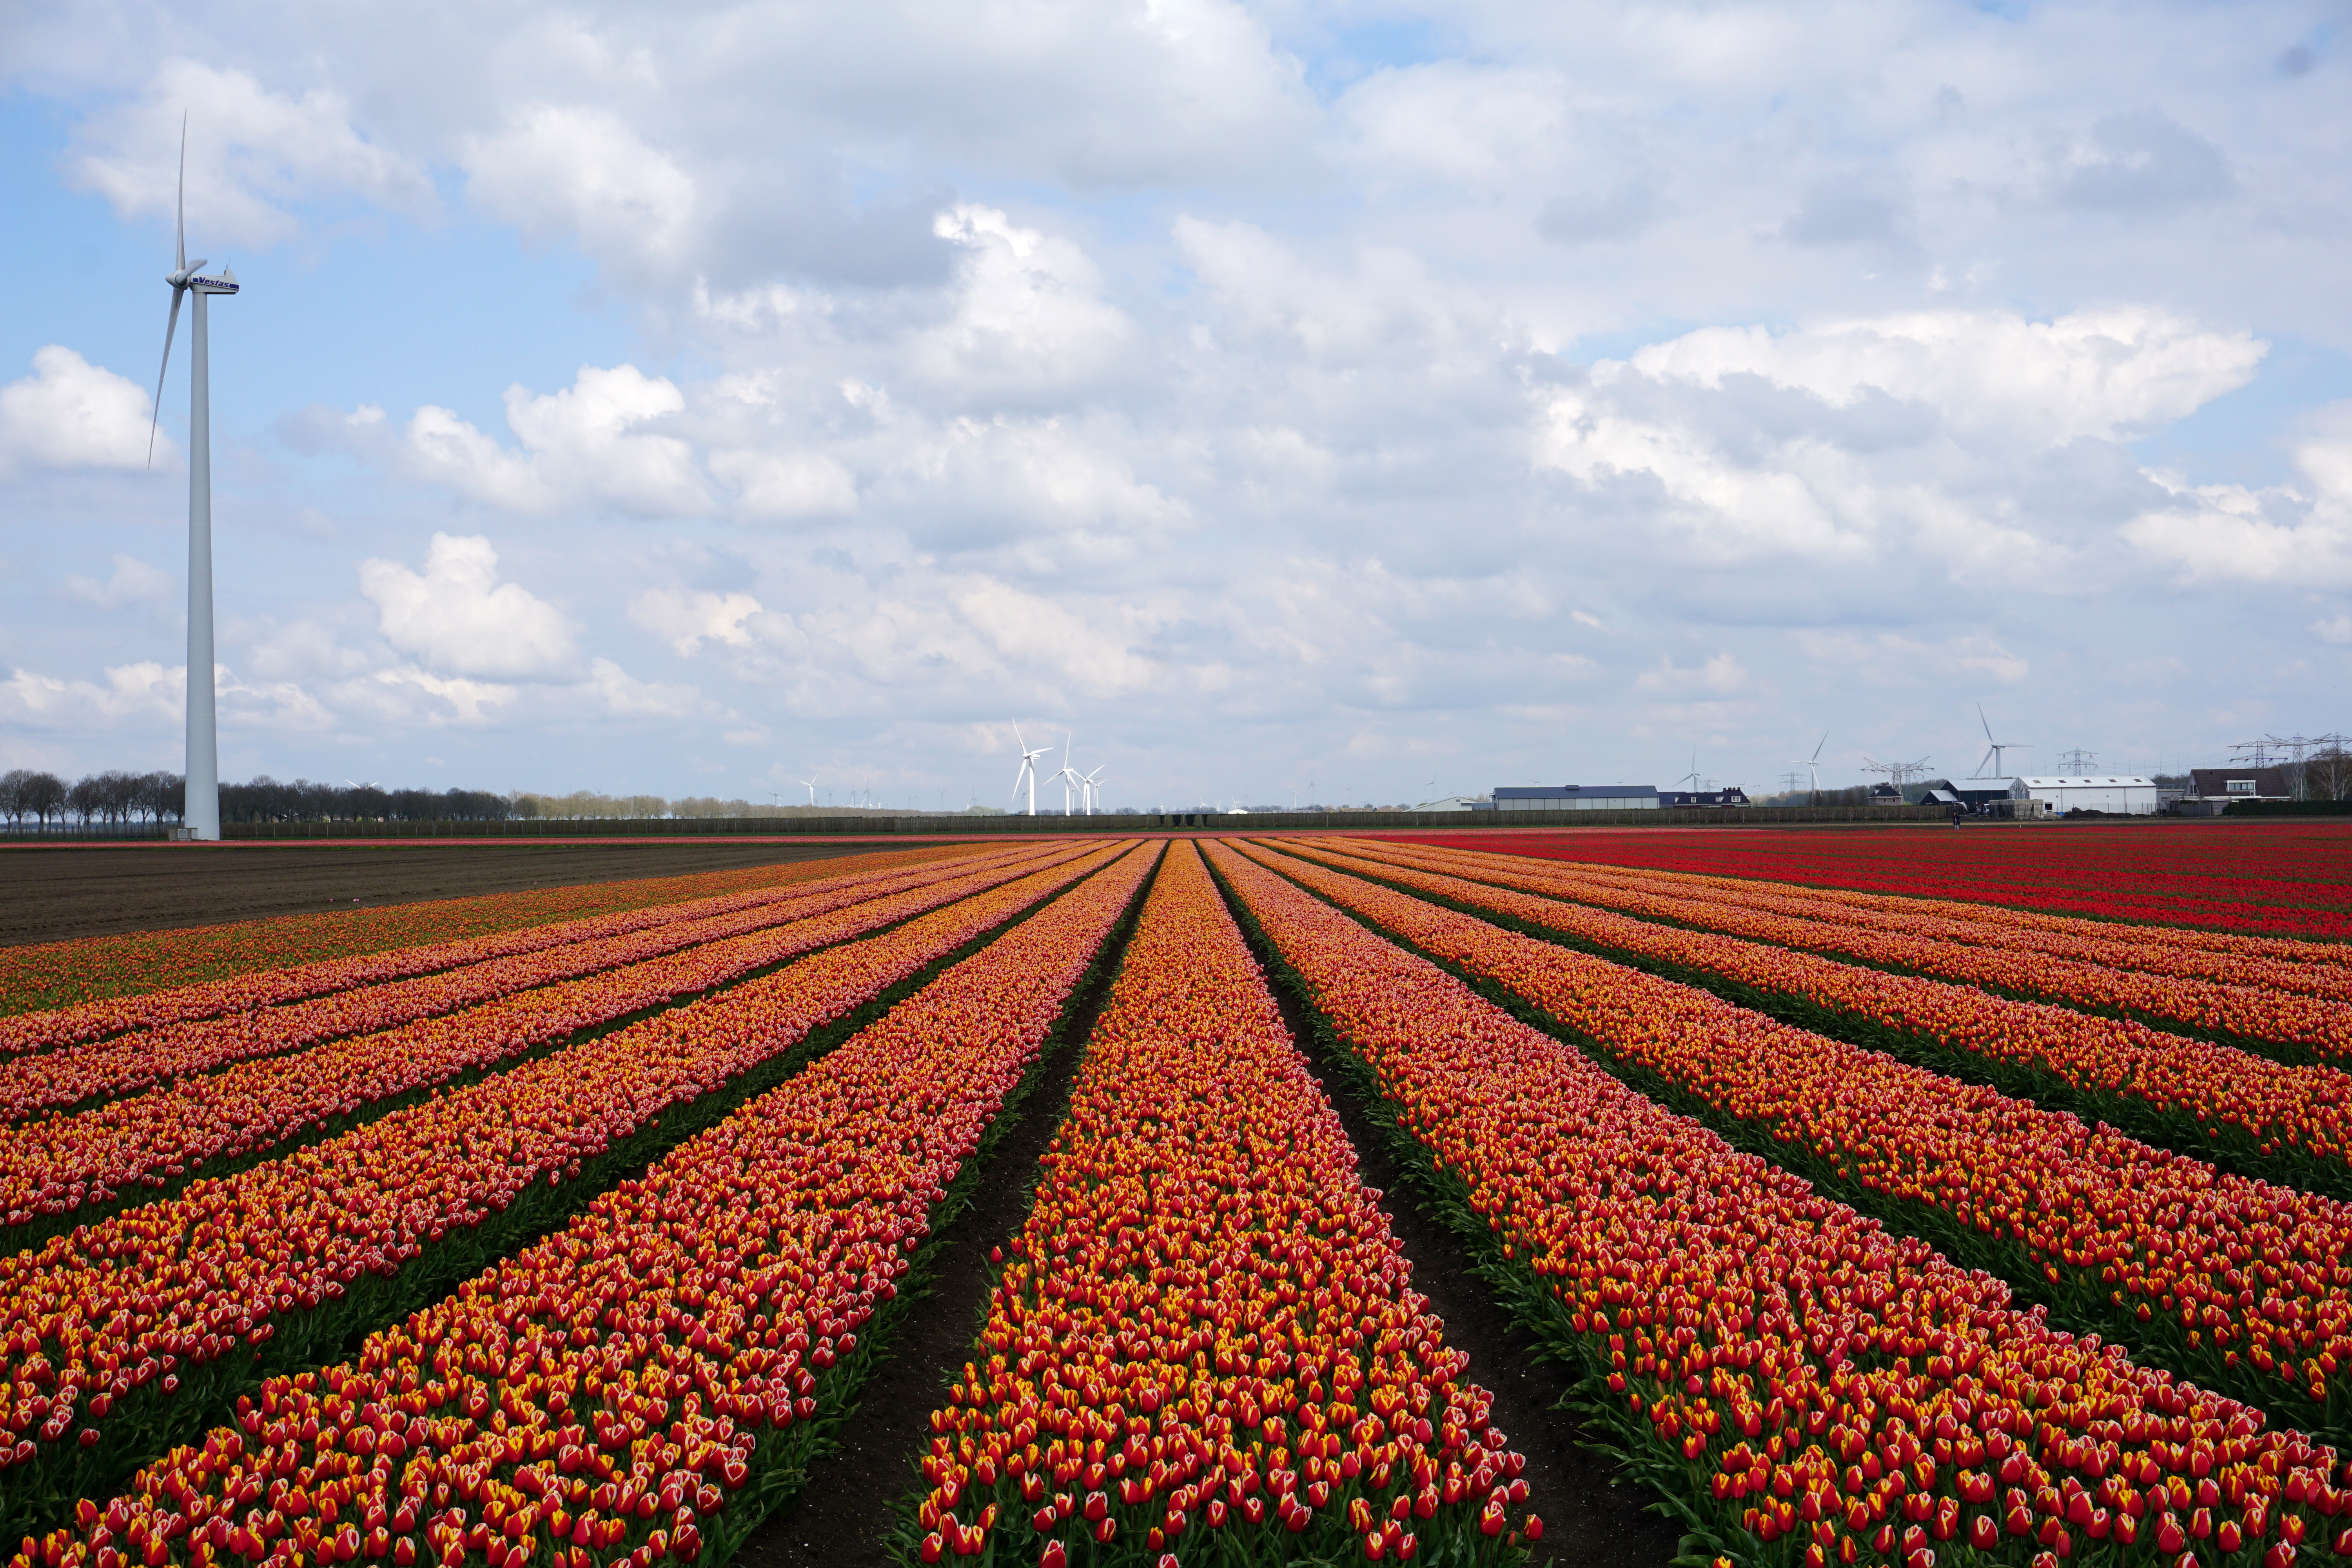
1276	1351
1672	1257
657	1334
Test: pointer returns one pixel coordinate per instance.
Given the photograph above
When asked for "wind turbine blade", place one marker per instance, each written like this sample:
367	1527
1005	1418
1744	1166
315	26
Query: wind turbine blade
1818	744
1983	720
169	327
180	207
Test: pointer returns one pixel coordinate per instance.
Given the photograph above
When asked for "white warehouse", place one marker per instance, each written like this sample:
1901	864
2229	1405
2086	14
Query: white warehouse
2116	794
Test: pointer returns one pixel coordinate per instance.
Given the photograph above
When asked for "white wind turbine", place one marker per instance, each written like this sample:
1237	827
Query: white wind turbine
1994	749
1070	776
201	815
809	784
1028	769
1813	764
1090	787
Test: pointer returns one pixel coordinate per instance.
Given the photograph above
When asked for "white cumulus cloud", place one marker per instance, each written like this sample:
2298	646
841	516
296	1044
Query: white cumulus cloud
1029	317
2091	373
785	484
2281	534
253	155
690	619
71	414
134	582
561	172
587	444
458	620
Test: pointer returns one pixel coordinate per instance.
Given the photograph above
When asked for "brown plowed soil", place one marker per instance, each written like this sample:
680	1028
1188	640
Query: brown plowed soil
57	893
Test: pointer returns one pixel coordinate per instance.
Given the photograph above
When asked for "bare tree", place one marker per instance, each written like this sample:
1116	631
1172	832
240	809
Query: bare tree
44	795
82	798
12	794
2327	774
117	794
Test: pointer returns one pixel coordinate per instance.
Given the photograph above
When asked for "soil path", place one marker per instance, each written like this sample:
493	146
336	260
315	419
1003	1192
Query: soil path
54	894
1592	1516
844	1515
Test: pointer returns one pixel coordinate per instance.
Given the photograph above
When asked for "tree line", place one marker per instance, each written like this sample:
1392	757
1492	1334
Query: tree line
34	801
110	798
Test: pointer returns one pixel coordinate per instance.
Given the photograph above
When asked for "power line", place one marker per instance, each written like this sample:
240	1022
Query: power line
1898	774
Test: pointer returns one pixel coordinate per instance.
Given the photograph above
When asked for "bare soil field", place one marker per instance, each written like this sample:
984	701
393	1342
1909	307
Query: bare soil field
55	893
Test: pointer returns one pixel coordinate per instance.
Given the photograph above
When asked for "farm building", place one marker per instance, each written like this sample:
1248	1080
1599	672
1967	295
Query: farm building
1976	795
2238	783
2118	795
1576	797
1734	795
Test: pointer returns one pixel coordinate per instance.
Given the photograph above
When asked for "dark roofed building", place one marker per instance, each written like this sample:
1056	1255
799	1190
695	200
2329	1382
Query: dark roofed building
2239	783
1576	797
1731	795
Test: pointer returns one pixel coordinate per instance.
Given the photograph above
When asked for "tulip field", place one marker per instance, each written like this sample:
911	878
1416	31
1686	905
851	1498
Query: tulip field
2282	878
1867	1215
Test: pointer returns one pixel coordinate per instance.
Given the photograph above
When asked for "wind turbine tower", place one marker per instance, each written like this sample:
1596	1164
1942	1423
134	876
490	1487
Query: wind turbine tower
1812	766
1070	776
201	815
1028	773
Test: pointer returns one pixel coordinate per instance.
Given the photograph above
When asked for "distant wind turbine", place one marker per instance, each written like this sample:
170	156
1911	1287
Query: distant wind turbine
1068	775
1813	764
1028	768
201	815
1090	787
809	784
1995	748
1691	778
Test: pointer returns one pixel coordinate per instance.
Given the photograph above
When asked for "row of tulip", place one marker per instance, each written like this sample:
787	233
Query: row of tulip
643	1384
275	987
2315	968
2239	1284
2293	962
2291	1124
1801	1384
61	1171
2249	879
108	1324
59	974
2284	1023
1205	1328
73	1076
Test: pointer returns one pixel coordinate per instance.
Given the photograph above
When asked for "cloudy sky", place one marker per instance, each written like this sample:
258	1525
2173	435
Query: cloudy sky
1293	399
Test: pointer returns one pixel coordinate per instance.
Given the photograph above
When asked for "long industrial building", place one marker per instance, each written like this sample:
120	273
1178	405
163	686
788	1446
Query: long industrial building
1577	797
2116	794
